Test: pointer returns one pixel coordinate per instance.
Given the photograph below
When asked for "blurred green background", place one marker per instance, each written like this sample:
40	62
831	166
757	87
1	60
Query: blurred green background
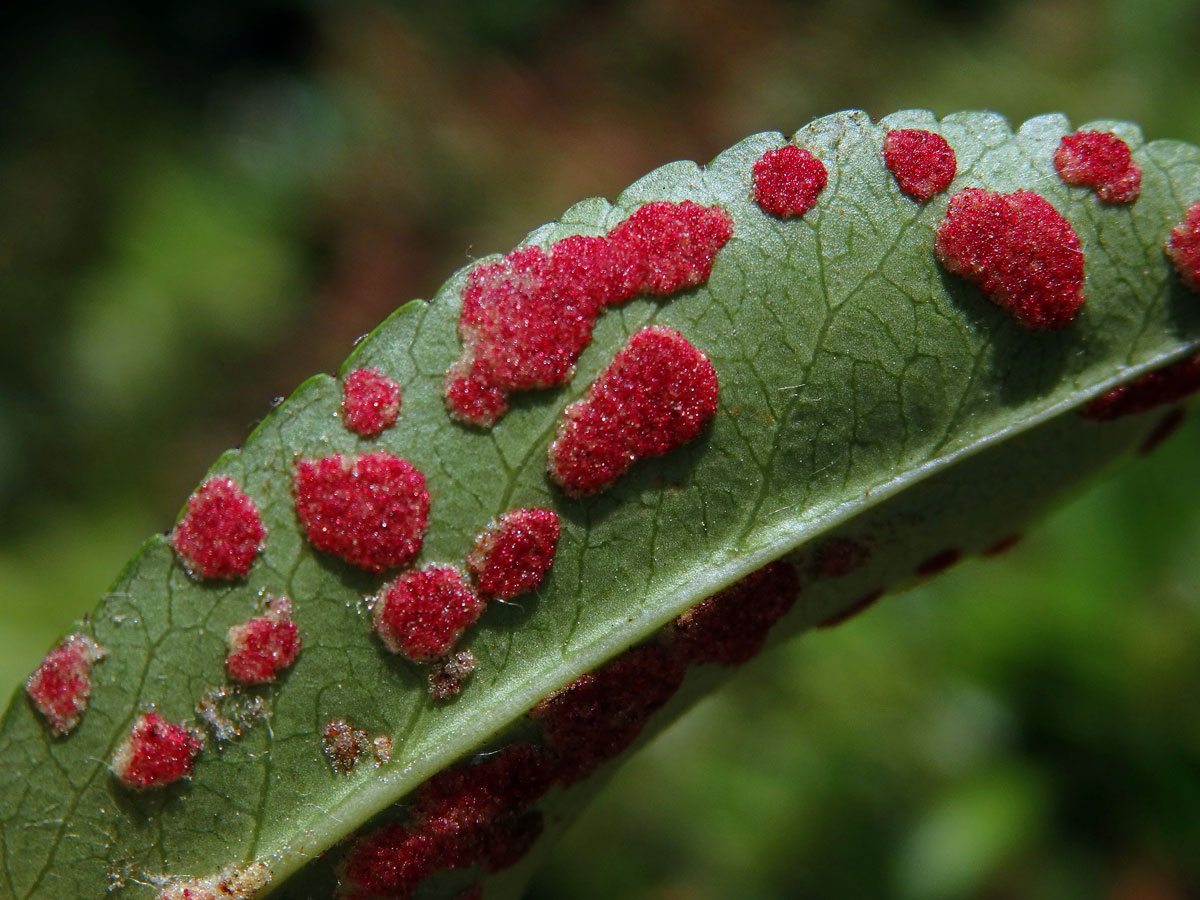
201	204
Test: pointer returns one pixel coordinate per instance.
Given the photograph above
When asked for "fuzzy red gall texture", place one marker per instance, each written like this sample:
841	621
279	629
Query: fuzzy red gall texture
370	510
60	687
1165	427
1018	250
730	627
480	812
1170	384
1003	545
390	863
923	163
261	648
838	557
156	753
515	552
422	614
1099	160
1183	247
657	394
788	181
476	814
596	717
859	606
526	318
370	402
221	532
939	562
344	745
666	247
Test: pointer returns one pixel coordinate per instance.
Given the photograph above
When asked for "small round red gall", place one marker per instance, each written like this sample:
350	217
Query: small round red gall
60	687
370	402
1019	251
515	552
369	510
156	753
788	181
261	648
220	533
922	162
730	627
1099	160
657	394
422	614
1183	247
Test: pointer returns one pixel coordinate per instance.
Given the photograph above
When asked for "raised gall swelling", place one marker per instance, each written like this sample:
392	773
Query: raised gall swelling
922	162
657	394
526	318
220	533
1019	251
369	510
61	685
1099	160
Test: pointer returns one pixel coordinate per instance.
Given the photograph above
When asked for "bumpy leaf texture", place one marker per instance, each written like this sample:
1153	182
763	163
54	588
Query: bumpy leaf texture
849	382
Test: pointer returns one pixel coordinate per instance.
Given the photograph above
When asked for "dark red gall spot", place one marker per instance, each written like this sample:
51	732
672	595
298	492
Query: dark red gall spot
859	606
221	532
1166	426
60	687
390	863
422	614
473	815
1183	247
526	318
261	648
788	181
1018	250
1003	545
370	510
370	402
922	162
344	745
515	552
657	394
450	673
939	562
1099	160
838	557
1170	384
730	627
156	753
597	716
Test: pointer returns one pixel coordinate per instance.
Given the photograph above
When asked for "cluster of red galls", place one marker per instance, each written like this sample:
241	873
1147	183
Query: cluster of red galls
483	816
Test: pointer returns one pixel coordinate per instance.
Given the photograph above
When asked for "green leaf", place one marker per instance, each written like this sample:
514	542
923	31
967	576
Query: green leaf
864	393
